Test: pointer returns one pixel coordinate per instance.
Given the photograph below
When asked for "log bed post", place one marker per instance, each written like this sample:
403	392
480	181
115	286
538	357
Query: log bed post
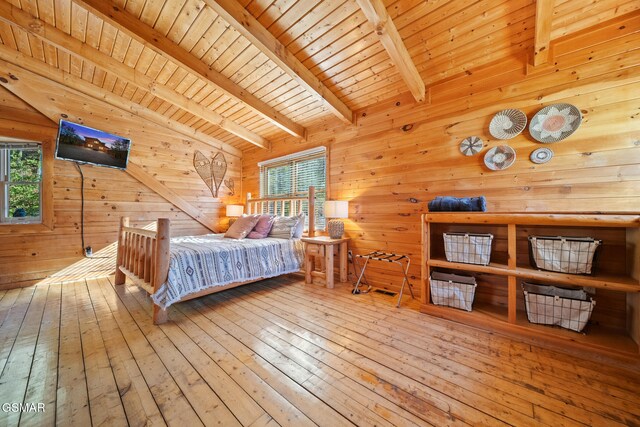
120	276
163	241
312	211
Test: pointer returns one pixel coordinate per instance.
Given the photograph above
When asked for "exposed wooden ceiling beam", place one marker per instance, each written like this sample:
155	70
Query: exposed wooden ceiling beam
240	19
544	17
35	90
165	47
49	34
13	63
376	13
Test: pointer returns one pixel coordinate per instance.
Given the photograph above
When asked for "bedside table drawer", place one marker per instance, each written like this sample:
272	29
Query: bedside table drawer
317	250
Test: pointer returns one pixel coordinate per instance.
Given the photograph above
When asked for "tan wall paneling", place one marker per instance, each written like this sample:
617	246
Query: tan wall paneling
162	155
389	175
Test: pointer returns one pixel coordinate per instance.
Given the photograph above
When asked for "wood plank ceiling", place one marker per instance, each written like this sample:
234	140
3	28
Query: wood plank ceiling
251	74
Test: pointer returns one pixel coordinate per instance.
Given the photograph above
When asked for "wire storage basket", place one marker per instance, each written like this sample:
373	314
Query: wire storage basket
572	255
468	248
550	305
452	290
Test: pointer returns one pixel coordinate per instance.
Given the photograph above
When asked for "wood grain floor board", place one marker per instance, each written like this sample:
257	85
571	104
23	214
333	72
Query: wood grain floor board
173	405
299	376
419	343
377	371
104	397
43	377
240	365
317	359
12	312
364	350
471	379
282	353
72	401
138	402
325	380
592	401
486	346
206	403
518	354
17	364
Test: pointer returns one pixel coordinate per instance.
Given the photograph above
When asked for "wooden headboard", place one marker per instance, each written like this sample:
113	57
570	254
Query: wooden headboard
285	206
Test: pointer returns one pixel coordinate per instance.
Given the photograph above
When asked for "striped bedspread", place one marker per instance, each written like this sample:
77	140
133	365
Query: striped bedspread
201	262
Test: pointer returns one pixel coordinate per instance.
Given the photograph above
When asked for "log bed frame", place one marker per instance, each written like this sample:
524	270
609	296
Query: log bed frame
143	255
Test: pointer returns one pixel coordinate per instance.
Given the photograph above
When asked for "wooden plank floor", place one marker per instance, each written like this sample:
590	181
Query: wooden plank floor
284	353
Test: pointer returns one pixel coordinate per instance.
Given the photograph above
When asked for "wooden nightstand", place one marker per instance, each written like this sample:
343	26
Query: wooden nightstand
323	246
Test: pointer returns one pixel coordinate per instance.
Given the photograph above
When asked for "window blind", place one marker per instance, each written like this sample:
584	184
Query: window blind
292	175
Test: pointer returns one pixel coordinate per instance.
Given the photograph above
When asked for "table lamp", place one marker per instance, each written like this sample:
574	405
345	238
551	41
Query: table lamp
233	212
336	209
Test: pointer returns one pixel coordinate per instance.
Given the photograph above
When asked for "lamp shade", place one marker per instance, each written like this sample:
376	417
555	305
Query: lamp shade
235	210
336	209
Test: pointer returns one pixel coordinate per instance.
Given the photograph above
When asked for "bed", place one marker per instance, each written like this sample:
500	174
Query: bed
182	268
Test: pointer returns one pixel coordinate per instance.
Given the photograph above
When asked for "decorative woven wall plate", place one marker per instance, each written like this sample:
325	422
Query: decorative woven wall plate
500	157
541	155
507	124
471	145
555	122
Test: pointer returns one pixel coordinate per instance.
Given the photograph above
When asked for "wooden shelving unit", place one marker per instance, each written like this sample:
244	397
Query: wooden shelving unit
615	326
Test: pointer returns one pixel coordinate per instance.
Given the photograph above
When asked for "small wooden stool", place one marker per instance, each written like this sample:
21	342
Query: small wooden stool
323	246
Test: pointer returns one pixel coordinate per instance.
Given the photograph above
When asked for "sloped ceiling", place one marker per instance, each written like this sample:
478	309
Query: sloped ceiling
183	60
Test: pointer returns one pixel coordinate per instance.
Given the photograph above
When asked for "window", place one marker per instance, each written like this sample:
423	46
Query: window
292	175
20	182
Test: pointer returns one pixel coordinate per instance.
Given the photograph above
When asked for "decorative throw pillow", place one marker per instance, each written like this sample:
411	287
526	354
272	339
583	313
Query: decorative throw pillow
242	226
300	227
262	228
284	227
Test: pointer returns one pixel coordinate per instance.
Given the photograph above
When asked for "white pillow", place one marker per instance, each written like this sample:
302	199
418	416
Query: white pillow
297	233
284	227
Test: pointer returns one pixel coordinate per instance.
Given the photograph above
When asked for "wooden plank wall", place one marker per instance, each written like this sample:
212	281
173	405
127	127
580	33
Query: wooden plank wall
389	174
109	193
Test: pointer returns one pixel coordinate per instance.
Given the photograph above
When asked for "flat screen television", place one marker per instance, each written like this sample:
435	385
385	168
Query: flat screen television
83	144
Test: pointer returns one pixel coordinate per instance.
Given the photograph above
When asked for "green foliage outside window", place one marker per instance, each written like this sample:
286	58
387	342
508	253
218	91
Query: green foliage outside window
292	176
279	181
25	165
23	186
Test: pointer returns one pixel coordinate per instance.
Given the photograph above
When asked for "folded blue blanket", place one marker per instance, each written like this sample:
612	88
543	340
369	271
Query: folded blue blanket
451	204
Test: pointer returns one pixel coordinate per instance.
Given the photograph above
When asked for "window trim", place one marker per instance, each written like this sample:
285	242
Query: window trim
46	194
